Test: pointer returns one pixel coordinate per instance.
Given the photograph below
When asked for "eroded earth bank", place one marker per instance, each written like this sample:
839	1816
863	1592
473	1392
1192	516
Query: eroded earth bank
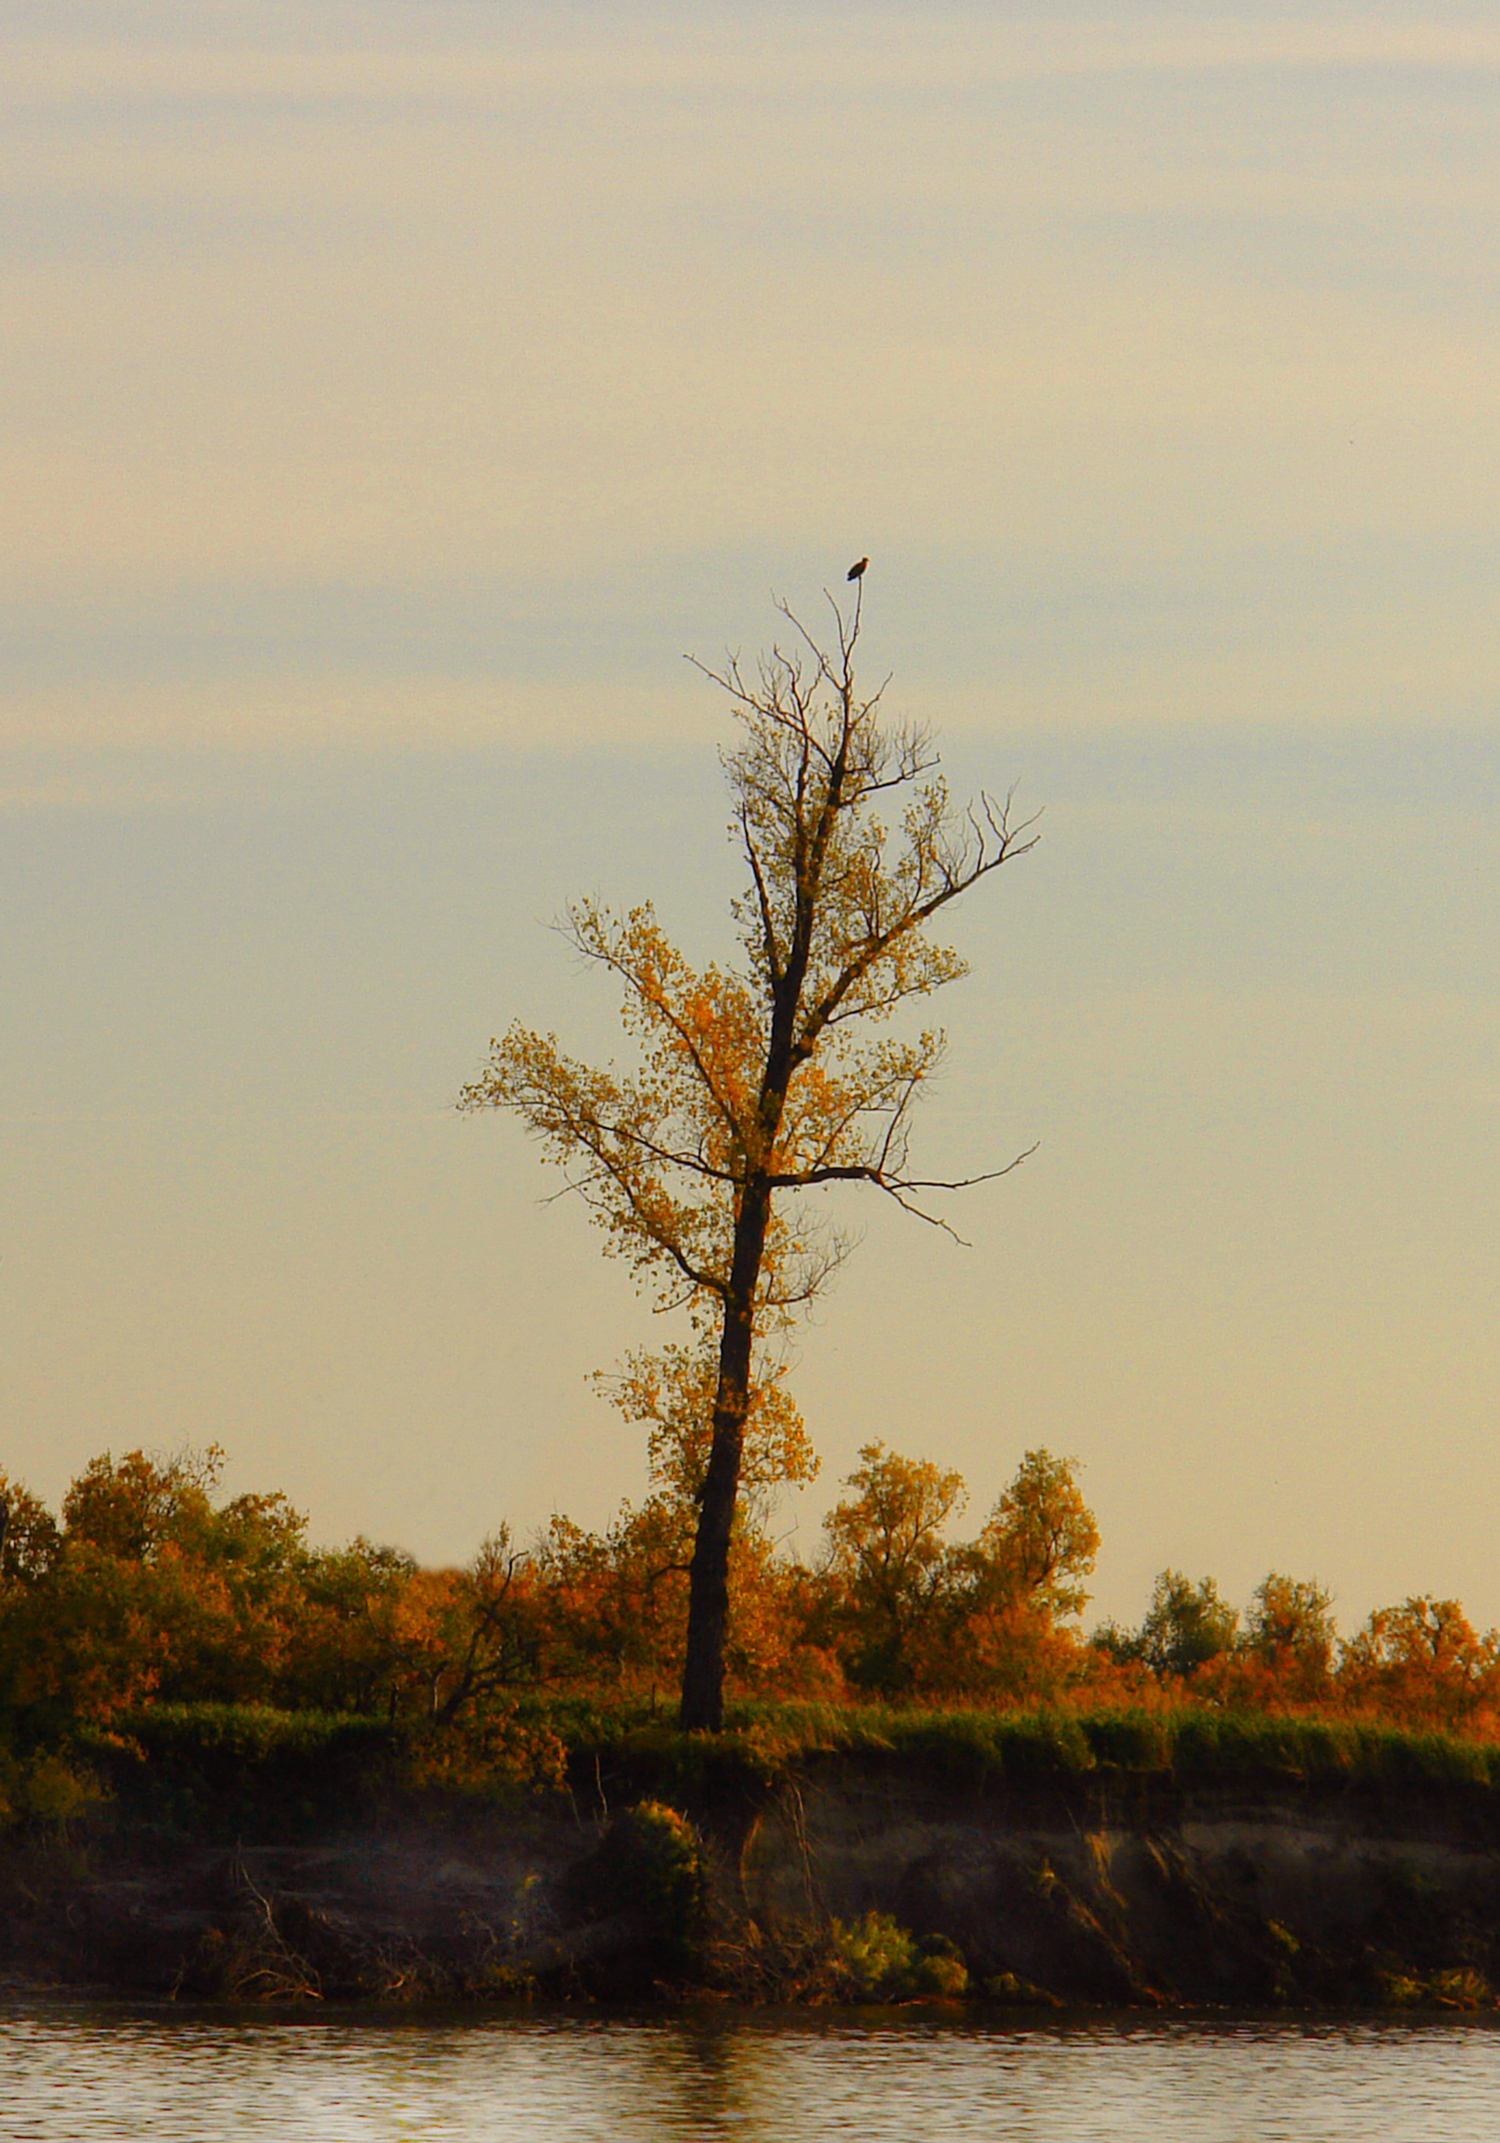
850	1879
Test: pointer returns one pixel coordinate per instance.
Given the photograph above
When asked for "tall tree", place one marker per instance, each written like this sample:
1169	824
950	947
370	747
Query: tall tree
1040	1541
885	1554
764	1080
1186	1625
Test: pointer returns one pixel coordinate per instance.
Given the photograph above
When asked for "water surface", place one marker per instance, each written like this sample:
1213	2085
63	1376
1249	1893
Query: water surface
80	2075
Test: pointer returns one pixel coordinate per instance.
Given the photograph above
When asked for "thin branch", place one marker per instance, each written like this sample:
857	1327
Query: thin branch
763	898
709	1282
867	1172
607	957
956	881
669	1156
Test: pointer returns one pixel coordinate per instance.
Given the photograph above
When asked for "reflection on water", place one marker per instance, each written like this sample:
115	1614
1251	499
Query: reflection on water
72	2075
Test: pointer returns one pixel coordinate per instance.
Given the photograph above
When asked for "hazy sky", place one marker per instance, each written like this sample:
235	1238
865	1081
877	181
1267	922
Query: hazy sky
393	392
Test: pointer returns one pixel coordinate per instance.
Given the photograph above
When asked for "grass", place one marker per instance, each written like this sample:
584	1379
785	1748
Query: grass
625	1749
254	1733
235	1768
1192	1743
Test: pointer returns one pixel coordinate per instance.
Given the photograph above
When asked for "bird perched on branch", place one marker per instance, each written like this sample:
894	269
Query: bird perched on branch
857	568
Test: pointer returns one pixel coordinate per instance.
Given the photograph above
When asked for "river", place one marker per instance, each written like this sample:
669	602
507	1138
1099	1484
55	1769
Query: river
81	2074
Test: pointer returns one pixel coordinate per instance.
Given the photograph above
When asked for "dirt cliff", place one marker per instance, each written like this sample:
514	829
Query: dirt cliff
1141	1892
1134	1890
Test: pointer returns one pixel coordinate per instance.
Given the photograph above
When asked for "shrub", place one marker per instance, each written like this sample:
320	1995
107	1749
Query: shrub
57	1792
652	1862
878	1960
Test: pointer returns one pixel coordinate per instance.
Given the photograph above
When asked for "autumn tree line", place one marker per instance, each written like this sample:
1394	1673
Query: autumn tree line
149	1588
755	1087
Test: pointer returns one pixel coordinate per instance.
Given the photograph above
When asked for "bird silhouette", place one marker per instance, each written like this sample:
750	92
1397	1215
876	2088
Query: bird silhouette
857	568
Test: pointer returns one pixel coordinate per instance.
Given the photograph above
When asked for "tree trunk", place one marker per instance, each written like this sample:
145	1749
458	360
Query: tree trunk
702	1707
708	1580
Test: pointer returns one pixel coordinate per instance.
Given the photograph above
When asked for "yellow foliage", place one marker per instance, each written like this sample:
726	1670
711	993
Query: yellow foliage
673	1392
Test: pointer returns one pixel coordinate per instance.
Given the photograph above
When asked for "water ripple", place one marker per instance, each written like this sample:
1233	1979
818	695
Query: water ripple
91	2075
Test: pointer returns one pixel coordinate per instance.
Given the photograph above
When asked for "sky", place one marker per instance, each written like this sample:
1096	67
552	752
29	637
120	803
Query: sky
391	395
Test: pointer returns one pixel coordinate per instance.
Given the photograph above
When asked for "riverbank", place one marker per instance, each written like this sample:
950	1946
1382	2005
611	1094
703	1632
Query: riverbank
856	1874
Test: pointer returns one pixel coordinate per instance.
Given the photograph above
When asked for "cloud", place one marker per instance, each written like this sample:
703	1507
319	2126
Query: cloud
461	54
392	371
